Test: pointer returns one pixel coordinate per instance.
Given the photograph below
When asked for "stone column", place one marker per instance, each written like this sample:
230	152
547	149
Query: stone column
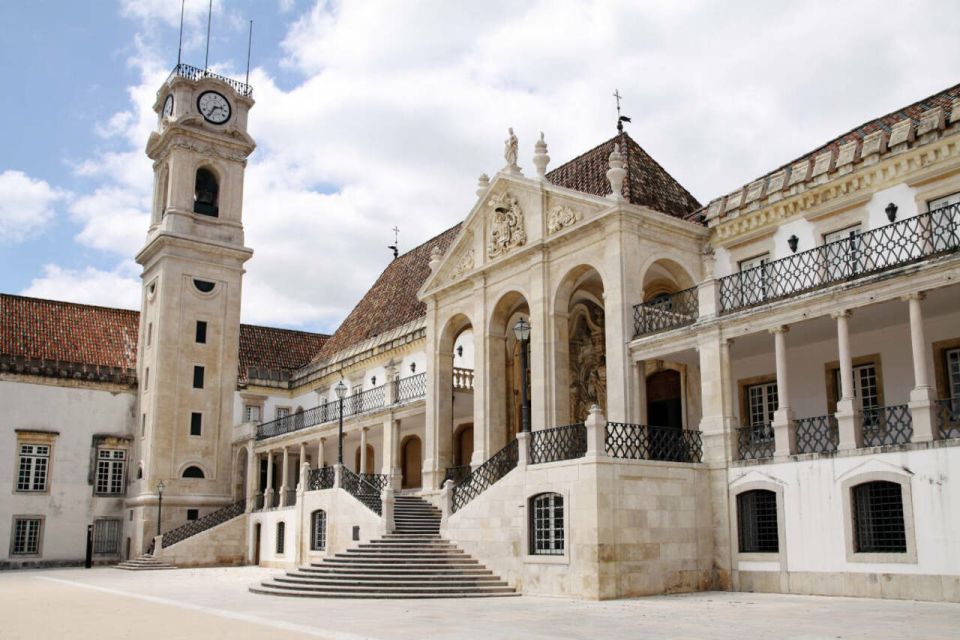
922	396
541	344
284	476
268	492
437	439
391	451
618	322
708	291
387	501
729	389
363	450
481	373
784	429
640	386
303	454
849	418
253	477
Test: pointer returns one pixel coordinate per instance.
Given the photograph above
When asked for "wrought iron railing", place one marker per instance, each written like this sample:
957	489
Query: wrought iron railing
360	489
291	498
560	443
499	465
666	312
411	388
379	480
817	435
462	379
202	524
274	500
195	73
258	501
321	478
456	473
947	416
641	442
910	240
887	425
755	442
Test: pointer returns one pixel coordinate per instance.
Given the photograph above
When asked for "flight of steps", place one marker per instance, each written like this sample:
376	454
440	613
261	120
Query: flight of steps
413	562
144	563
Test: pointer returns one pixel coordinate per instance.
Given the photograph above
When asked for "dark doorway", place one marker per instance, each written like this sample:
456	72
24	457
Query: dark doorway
664	404
256	544
412	463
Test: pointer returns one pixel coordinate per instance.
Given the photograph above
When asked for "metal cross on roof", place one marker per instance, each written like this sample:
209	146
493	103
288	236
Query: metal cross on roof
620	119
396	243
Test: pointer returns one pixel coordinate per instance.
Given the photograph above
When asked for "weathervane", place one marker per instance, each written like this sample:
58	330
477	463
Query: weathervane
396	243
620	119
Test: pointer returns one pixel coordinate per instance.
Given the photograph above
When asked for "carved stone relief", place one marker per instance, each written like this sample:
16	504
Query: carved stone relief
506	225
464	263
588	361
559	217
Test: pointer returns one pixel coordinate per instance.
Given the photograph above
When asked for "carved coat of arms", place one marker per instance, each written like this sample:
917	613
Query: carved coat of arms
506	225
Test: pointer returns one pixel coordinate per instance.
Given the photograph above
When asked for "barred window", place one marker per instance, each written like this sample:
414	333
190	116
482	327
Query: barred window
281	531
26	536
763	403
878	518
111	467
106	536
318	530
546	525
757	522
251	413
33	467
952	358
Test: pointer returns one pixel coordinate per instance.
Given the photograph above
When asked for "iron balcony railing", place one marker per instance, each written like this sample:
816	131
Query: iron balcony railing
360	489
666	312
456	473
379	480
202	524
196	73
321	478
407	389
642	442
755	442
291	498
947	415
887	425
817	435
500	464
560	443
894	245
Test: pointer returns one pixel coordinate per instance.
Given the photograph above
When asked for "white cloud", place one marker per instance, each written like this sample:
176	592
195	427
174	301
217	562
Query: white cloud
117	288
26	205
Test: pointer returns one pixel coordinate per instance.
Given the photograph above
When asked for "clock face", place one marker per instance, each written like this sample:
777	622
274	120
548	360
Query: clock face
213	107
167	107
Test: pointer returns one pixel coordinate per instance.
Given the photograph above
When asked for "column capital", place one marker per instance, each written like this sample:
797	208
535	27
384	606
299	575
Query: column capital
779	329
845	313
914	295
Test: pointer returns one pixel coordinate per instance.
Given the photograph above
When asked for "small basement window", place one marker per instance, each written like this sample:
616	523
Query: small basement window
193	472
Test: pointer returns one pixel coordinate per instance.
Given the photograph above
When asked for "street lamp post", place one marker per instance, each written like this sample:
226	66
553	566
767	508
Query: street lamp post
522	331
341	390
159	504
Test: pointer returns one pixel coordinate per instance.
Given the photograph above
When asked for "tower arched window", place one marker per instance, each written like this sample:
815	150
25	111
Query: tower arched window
206	193
192	472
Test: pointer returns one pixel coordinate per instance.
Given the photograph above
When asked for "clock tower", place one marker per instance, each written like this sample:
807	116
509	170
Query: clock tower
192	261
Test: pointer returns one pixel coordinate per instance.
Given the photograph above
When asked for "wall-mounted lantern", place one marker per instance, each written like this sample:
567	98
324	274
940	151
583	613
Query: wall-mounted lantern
793	242
891	212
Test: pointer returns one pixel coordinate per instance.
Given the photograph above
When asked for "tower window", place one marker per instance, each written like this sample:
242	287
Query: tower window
198	377
203	286
206	194
196	421
193	472
201	332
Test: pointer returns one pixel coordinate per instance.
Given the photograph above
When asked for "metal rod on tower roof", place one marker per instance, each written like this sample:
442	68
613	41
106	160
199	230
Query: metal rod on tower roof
249	45
206	59
180	43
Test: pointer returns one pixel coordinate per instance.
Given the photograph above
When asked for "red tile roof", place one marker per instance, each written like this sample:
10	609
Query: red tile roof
392	300
277	350
647	183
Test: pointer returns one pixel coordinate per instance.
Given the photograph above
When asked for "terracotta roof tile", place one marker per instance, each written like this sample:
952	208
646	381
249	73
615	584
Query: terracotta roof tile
277	349
647	183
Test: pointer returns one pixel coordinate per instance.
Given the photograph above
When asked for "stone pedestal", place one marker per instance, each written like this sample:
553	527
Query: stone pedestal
784	432
923	412
849	423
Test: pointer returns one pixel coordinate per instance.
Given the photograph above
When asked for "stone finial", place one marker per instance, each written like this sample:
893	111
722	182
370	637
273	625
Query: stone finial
540	157
616	174
510	153
483	183
435	257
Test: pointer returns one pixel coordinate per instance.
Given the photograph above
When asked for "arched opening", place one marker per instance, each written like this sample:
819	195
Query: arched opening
206	193
411	463
505	404
463	445
192	471
455	380
663	278
665	399
580	339
368	463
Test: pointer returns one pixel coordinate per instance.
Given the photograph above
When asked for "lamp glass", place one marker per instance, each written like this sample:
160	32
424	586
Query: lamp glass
160	487
341	389
522	330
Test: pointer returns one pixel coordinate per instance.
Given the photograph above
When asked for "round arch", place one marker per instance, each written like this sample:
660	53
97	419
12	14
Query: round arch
664	275
411	462
196	464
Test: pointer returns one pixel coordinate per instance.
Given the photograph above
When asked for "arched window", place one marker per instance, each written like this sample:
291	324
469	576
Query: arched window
318	530
757	522
546	524
281	531
192	472
206	193
877	510
140	472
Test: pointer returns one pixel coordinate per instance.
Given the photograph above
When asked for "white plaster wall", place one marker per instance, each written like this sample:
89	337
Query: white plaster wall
901	195
806	238
77	413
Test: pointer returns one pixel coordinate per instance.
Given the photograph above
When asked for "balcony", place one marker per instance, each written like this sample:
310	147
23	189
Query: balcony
666	312
195	73
921	237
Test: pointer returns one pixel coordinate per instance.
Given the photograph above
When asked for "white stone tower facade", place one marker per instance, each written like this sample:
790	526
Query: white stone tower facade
190	321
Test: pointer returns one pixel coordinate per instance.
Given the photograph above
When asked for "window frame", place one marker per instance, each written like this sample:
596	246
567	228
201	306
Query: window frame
906	498
744	485
832	377
281	533
531	520
315	544
756	525
38	552
200	332
111	475
199	375
196	417
115	522
48	466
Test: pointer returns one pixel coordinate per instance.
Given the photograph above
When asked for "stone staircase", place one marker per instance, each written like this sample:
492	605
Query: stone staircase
146	562
413	562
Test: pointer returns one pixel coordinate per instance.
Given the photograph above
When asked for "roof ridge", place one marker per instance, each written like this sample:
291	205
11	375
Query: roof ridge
301	331
68	302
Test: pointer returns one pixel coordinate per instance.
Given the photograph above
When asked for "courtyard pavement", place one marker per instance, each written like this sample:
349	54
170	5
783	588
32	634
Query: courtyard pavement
108	604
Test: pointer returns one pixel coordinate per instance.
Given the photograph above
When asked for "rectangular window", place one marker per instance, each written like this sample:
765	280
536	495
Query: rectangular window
201	332
753	279
143	425
952	361
149	334
106	536
282	412
757	522
866	388
26	536
198	377
146	379
842	252
33	467
251	413
196	423
762	403
193	514
281	534
111	468
546	525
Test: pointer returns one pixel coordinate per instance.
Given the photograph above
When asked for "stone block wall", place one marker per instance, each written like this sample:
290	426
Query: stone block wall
222	545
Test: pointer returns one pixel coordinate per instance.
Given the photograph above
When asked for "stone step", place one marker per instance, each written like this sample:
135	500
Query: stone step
392	590
298	593
390	582
466	563
465	559
378	571
400	553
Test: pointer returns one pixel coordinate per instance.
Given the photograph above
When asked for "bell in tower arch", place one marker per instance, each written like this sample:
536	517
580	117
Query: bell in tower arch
206	193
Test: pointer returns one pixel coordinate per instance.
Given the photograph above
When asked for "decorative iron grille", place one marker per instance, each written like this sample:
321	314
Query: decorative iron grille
291	498
817	435
640	442
456	473
411	388
948	417
499	465
887	425
358	403
106	535
258	501
560	443
878	518
321	478
755	442
757	522
379	480
666	312
360	489
202	524
195	73
910	240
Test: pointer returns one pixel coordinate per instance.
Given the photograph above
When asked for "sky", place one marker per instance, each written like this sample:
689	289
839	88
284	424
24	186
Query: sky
372	114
